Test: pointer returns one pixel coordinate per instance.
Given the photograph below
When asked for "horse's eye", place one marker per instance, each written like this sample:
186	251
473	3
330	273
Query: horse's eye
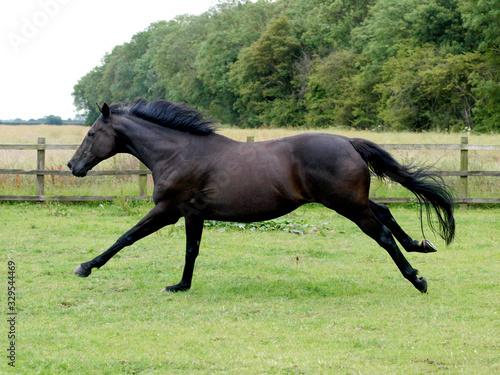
91	134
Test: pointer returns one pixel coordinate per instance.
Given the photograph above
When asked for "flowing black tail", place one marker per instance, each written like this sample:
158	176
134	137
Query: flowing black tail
429	189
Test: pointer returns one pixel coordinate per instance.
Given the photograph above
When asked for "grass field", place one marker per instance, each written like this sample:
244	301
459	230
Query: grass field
128	186
265	300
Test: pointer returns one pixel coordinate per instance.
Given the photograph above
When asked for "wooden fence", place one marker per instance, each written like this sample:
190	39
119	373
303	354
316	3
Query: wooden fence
464	173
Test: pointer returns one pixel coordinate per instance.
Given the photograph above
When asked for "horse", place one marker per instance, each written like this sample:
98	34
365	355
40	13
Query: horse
200	175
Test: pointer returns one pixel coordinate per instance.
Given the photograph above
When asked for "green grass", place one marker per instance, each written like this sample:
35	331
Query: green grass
265	300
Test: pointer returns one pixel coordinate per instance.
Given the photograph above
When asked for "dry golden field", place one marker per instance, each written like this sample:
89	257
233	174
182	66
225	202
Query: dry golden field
74	134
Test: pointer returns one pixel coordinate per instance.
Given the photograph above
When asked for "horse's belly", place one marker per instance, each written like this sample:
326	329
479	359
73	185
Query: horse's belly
255	186
248	205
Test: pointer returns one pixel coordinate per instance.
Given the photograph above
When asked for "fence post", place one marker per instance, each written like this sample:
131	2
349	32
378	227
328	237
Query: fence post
464	167
143	180
40	165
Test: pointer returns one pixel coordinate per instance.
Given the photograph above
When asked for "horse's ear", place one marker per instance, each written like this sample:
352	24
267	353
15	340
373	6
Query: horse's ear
104	110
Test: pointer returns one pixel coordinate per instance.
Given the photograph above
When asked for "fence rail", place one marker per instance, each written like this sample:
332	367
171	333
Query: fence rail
464	173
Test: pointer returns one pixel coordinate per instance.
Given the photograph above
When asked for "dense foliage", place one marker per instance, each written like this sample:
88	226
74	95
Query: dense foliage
406	64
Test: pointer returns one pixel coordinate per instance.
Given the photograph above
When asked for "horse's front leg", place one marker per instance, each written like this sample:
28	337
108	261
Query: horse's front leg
194	229
157	218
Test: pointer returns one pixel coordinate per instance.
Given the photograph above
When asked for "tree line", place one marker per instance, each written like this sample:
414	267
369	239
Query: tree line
47	120
397	65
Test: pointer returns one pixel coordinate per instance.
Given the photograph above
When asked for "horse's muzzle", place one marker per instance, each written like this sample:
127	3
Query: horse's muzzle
76	172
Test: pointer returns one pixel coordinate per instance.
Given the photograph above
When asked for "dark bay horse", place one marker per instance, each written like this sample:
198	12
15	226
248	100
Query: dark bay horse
201	175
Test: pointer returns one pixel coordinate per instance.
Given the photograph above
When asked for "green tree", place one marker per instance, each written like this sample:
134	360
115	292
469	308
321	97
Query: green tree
326	25
483	18
53	120
89	91
330	84
485	82
425	89
233	25
391	24
126	70
262	78
440	23
175	57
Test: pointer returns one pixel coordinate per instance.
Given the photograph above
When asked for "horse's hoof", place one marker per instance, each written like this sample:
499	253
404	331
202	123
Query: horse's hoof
175	288
82	272
428	246
422	285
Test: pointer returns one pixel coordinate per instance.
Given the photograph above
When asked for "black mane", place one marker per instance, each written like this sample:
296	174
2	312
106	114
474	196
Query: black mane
172	115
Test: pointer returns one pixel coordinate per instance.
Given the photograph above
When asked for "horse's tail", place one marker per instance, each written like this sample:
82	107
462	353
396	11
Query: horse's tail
429	189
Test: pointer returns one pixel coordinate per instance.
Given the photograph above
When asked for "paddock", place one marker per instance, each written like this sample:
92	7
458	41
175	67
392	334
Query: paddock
266	299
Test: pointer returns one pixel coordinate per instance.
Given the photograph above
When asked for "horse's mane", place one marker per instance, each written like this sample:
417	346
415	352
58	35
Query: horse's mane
172	115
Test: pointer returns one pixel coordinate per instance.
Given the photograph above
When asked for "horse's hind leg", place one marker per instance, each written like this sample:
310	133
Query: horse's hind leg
384	215
369	224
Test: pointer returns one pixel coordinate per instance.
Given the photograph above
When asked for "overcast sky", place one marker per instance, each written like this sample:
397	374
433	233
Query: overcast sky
47	45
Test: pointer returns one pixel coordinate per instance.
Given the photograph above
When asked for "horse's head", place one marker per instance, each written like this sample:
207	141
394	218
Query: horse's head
98	145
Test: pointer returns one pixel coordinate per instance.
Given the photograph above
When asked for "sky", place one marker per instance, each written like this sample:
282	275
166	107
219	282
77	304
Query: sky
46	46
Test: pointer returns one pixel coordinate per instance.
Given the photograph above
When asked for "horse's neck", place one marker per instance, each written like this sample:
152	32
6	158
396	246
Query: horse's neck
154	145
147	143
